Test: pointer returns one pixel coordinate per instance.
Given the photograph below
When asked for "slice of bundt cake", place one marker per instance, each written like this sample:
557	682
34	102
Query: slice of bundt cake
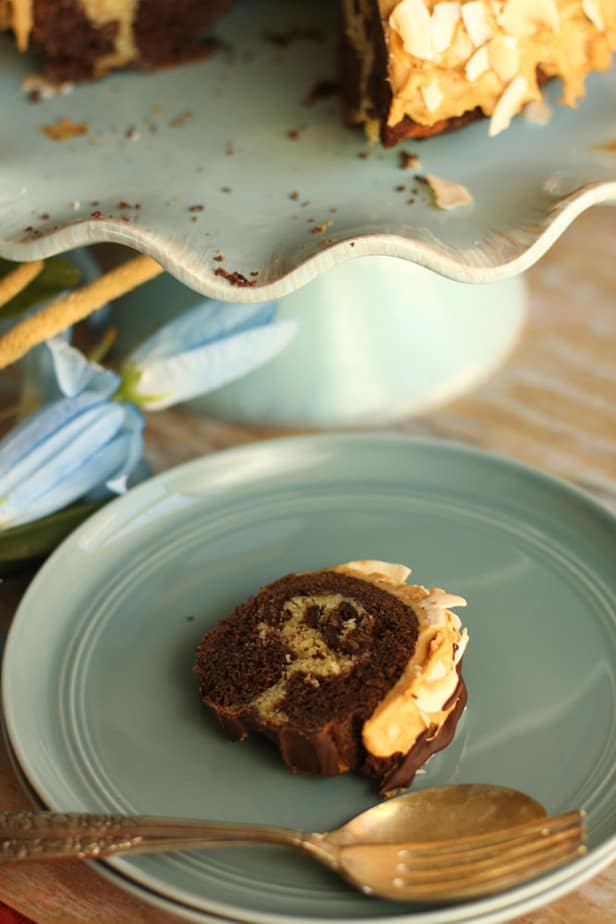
83	39
348	668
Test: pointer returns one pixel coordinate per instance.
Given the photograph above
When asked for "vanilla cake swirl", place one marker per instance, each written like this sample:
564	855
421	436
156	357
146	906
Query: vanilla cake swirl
348	668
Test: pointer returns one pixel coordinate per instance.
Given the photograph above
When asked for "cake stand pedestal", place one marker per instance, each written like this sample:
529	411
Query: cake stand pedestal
379	339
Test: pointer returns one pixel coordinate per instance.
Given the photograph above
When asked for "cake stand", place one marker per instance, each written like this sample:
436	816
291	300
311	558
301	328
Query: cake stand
237	169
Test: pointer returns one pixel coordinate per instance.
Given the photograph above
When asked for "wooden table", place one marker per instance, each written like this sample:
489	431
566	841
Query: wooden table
552	405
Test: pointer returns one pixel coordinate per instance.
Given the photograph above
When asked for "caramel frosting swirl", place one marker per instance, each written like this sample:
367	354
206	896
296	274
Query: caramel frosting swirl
421	699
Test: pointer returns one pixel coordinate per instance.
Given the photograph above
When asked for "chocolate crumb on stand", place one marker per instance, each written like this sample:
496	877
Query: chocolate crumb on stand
235	278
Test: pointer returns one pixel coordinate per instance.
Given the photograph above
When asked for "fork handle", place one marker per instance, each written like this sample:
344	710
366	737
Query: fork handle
55	835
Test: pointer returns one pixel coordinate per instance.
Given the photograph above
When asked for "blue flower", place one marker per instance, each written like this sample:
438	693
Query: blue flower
70	447
203	349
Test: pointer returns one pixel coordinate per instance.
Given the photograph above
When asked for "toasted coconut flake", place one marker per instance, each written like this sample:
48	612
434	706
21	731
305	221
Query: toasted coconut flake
432	95
445	18
478	64
592	9
504	56
412	22
448	195
475	16
508	105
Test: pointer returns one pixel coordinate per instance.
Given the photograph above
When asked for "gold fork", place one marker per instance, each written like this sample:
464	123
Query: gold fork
428	871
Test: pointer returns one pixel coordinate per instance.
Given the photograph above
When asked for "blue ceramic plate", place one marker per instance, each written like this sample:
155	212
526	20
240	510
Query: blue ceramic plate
163	141
102	708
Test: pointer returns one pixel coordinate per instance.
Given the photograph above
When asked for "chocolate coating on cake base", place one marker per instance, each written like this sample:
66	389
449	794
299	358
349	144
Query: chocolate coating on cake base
397	772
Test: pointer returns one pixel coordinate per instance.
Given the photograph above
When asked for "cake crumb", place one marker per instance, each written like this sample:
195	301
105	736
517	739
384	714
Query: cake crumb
447	194
609	146
322	89
294	196
319	229
39	88
409	161
182	119
537	112
219	257
196	208
235	279
64	128
229	149
226	189
293	134
132	133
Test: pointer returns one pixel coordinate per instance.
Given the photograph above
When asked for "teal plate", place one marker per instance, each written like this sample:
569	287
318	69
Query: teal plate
162	141
101	703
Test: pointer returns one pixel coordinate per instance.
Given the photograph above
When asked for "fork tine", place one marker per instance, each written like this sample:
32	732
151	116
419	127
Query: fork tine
474	861
502	877
494	839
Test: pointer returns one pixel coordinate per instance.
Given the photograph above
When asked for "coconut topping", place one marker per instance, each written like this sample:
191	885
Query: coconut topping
522	17
447	58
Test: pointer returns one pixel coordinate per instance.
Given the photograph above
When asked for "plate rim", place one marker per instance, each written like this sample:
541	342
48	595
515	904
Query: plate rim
492	909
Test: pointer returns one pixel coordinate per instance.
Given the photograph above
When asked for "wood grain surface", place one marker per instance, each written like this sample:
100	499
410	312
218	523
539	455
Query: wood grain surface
553	404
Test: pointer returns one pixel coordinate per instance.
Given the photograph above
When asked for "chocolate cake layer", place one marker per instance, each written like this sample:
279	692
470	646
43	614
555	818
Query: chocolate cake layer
70	43
168	33
308	661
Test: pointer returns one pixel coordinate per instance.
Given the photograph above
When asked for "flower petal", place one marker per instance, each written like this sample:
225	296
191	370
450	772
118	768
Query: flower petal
133	428
75	373
60	457
24	439
93	471
165	382
200	325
